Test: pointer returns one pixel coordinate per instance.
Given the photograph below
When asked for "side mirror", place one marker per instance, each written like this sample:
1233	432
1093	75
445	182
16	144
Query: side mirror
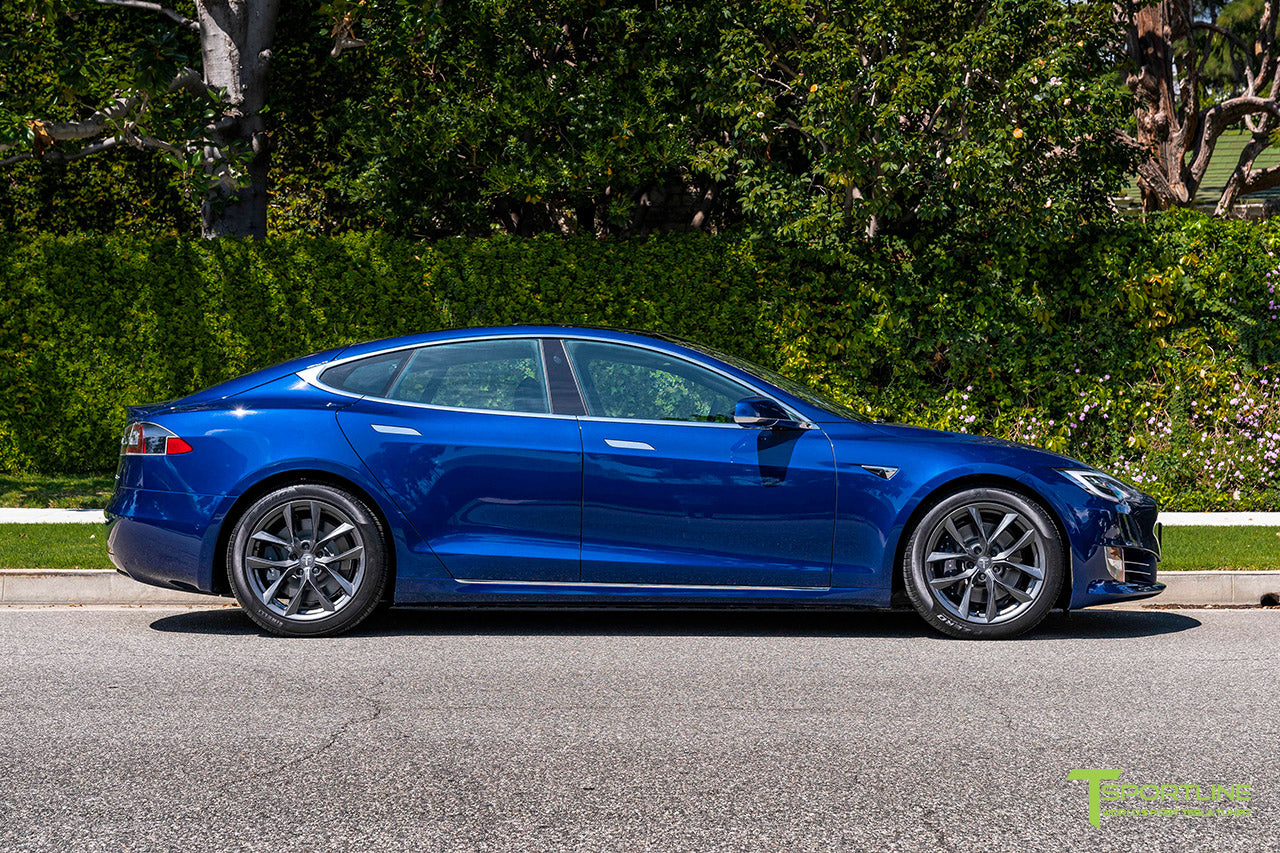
762	412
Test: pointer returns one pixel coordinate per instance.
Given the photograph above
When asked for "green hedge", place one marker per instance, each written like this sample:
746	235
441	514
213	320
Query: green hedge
1149	349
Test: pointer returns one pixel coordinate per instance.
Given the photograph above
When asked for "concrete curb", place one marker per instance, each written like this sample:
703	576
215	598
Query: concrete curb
95	586
1217	587
87	586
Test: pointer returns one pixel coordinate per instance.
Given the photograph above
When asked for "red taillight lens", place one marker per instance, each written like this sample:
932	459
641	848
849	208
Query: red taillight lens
176	445
152	440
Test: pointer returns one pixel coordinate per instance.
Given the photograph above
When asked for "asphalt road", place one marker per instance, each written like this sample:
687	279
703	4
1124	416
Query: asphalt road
162	729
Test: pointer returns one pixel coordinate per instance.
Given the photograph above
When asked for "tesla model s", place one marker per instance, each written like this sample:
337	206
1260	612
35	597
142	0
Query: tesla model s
557	465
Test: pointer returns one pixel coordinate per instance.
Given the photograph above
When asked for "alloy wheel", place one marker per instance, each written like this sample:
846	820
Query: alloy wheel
985	563
305	559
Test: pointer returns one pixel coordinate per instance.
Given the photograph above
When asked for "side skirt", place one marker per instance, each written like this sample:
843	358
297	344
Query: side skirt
447	590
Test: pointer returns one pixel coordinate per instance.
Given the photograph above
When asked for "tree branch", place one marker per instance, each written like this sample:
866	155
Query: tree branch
1263	179
147	6
344	36
1232	110
92	126
59	157
1265	46
116	117
341	43
1226	34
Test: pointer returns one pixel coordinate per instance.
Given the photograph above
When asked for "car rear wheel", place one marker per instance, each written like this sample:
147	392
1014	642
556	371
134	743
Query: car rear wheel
984	564
307	560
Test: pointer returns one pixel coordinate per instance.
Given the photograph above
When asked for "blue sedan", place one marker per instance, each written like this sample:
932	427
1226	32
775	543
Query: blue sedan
565	465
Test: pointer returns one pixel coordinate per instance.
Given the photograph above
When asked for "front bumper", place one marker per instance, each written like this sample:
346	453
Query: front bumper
1132	528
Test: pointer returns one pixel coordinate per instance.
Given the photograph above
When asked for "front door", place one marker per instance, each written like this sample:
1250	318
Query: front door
674	492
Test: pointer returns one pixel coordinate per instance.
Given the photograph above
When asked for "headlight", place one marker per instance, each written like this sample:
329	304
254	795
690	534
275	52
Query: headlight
1097	483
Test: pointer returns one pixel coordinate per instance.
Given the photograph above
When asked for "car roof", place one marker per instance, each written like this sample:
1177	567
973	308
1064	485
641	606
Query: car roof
603	332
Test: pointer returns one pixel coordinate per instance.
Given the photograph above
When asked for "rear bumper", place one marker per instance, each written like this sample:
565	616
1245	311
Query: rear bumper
164	538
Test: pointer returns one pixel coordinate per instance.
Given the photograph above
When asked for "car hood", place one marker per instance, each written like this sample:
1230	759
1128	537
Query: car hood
961	441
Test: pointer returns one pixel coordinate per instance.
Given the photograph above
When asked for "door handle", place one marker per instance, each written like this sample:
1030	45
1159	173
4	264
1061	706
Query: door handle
394	430
622	444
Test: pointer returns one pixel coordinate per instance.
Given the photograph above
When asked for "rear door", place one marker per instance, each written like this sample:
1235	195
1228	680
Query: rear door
675	492
463	438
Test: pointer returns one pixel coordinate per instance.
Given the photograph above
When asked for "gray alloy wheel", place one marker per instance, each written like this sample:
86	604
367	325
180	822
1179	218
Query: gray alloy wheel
307	560
984	563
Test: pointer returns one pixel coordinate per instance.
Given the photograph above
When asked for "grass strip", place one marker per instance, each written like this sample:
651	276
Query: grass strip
1188	548
53	546
55	491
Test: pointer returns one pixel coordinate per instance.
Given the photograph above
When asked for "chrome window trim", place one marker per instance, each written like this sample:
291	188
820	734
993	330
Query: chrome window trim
602	420
311	376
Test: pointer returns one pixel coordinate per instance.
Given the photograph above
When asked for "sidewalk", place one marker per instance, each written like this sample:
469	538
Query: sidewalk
9	515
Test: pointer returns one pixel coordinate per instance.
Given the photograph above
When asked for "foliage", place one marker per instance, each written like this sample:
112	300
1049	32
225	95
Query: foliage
817	124
1097	347
892	116
561	116
57	65
63	61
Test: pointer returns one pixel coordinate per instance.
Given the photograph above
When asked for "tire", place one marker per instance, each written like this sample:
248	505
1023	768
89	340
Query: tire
295	583
978	545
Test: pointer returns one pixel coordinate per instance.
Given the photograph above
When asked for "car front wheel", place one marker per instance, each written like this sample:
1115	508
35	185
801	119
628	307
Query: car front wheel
984	564
307	560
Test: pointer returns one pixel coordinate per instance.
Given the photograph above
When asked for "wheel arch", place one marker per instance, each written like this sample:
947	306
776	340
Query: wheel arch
297	477
977	481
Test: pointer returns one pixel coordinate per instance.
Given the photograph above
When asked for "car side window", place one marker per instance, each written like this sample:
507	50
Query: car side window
501	375
367	376
620	381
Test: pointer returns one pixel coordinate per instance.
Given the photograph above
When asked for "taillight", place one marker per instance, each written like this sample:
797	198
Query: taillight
152	440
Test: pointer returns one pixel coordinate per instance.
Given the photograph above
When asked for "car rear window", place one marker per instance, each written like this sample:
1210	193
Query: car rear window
368	376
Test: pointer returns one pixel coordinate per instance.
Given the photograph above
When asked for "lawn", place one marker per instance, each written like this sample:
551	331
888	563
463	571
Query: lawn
53	546
84	546
1221	548
42	491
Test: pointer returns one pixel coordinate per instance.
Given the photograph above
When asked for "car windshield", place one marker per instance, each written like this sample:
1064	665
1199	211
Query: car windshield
795	389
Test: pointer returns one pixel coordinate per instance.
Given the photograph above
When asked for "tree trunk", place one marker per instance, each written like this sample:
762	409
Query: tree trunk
236	38
1159	132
